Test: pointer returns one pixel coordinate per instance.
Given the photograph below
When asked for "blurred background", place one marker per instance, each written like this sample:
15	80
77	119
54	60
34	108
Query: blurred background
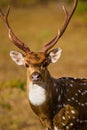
36	22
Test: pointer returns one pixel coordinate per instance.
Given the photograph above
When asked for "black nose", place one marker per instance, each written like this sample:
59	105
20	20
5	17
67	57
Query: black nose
36	76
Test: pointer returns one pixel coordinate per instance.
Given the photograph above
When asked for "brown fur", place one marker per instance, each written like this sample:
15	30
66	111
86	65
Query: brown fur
55	108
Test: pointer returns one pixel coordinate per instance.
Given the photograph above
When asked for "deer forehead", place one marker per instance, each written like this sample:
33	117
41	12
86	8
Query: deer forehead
35	58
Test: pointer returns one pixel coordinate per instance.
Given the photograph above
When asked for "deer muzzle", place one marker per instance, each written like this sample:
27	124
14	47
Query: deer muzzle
36	77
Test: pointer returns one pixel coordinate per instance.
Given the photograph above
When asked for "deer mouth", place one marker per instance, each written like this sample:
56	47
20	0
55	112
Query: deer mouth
36	78
39	82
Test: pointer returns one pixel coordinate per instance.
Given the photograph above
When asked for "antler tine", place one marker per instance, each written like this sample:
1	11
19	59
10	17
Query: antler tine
12	36
68	17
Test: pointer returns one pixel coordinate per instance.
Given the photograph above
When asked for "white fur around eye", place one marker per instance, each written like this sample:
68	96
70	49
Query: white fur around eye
55	55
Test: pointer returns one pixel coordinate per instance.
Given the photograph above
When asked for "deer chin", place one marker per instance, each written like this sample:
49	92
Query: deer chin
37	82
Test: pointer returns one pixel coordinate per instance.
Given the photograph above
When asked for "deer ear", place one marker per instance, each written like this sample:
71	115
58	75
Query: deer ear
17	57
55	54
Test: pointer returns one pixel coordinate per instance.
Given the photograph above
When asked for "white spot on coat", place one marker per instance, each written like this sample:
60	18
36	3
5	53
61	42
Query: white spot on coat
72	111
76	94
71	85
69	99
76	101
63	124
56	89
55	128
59	98
71	124
55	85
72	98
63	118
73	117
67	127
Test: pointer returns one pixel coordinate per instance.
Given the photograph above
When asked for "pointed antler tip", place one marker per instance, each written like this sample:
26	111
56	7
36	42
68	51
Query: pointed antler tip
63	7
12	36
65	10
68	15
58	32
8	10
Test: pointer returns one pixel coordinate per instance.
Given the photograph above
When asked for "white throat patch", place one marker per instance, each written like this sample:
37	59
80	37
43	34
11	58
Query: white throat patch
37	94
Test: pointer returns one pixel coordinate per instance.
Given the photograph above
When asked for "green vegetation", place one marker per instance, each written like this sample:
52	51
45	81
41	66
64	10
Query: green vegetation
82	8
13	84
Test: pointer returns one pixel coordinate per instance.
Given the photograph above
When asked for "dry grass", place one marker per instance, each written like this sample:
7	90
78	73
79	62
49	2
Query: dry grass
37	26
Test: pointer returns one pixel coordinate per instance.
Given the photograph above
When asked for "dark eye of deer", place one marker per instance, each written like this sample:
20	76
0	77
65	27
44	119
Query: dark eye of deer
26	65
45	64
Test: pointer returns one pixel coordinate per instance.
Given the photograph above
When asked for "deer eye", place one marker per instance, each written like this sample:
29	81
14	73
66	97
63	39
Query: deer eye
26	65
45	64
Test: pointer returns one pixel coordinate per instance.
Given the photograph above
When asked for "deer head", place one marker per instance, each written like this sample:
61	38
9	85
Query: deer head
37	63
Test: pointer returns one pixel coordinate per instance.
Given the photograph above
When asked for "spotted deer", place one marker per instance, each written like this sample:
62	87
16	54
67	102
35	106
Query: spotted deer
60	104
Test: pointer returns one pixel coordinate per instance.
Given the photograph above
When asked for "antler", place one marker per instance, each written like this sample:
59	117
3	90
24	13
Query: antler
62	30
12	36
